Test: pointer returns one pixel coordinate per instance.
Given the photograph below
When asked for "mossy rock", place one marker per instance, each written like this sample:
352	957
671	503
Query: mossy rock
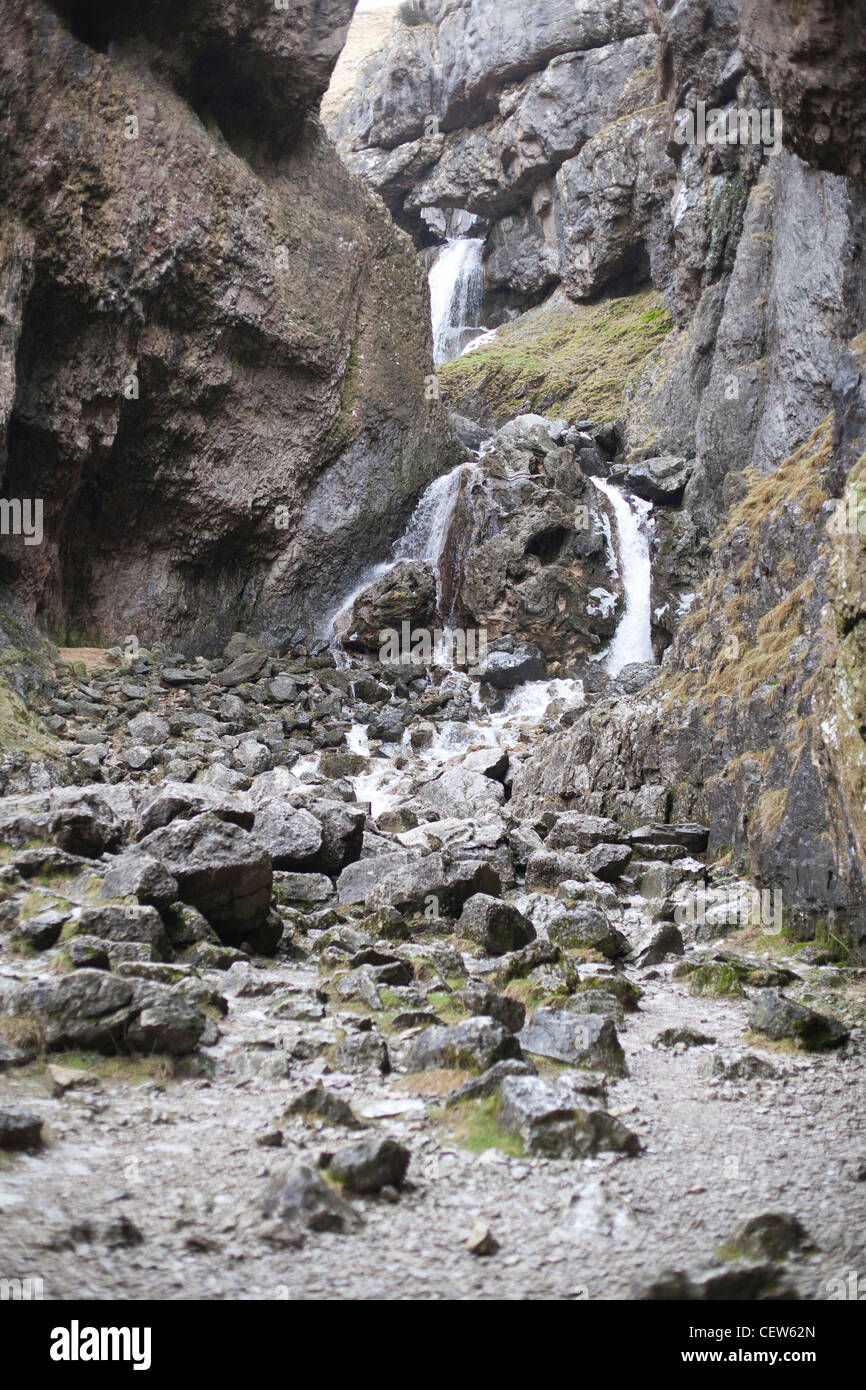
617	985
717	977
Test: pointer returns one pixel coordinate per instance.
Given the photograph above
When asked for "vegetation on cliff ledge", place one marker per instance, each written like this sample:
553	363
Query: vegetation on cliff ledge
563	360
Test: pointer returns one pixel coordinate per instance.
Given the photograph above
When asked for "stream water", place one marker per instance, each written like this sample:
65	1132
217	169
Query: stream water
531	704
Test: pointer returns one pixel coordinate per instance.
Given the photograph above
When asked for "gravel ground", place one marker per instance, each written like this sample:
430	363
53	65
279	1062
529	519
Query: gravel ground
179	1159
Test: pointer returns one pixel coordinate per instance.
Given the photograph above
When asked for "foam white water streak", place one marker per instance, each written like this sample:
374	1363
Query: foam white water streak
632	640
456	292
423	540
524	710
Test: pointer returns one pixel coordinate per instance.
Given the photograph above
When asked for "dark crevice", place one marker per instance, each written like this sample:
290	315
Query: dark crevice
547	545
92	22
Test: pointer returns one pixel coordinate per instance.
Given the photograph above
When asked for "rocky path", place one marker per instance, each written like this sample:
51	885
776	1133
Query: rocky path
298	1000
283	1125
181	1166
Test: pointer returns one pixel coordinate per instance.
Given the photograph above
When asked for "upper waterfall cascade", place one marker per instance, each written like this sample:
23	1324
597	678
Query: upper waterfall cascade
456	293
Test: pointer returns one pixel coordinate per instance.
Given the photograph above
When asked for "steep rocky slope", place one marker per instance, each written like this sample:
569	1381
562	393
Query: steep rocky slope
584	175
215	343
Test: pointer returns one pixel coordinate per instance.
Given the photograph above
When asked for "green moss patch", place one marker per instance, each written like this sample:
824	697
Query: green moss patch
572	361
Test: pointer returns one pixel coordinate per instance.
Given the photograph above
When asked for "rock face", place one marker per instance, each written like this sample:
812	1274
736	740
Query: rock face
530	546
228	417
480	108
811	59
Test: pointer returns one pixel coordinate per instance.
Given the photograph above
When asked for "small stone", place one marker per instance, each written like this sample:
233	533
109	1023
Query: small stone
65	1079
687	1037
481	1240
20	1130
270	1139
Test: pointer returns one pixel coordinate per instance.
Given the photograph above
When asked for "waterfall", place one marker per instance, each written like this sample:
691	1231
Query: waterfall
425	535
632	640
456	291
423	539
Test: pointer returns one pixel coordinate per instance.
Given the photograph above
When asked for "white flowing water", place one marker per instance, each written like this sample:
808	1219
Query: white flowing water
424	537
512	728
423	540
456	293
632	640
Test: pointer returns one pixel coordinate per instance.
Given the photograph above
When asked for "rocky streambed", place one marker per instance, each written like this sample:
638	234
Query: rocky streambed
293	1003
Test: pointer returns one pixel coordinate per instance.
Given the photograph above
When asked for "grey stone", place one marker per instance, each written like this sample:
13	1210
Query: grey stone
220	869
368	1167
779	1017
555	1121
497	926
474	1045
19	1129
582	1040
478	999
301	1198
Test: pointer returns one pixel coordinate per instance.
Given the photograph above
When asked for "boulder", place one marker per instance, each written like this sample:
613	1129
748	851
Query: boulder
555	1121
474	1046
478	999
778	1017
220	869
184	800
19	1130
662	480
497	926
450	883
291	836
368	1167
582	1040
300	1198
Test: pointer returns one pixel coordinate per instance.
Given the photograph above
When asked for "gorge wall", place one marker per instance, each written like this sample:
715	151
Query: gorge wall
214	341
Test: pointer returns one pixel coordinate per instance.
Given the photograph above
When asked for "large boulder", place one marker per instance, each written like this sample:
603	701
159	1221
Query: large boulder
474	1045
780	1018
581	1040
529	552
407	593
96	1011
497	926
220	869
555	1120
434	881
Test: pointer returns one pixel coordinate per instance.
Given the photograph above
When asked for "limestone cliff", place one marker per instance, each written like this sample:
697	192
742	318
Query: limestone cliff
214	341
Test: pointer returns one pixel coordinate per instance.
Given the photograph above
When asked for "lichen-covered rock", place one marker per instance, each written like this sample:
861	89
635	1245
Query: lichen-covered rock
555	1121
582	1040
497	926
779	1017
474	1046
